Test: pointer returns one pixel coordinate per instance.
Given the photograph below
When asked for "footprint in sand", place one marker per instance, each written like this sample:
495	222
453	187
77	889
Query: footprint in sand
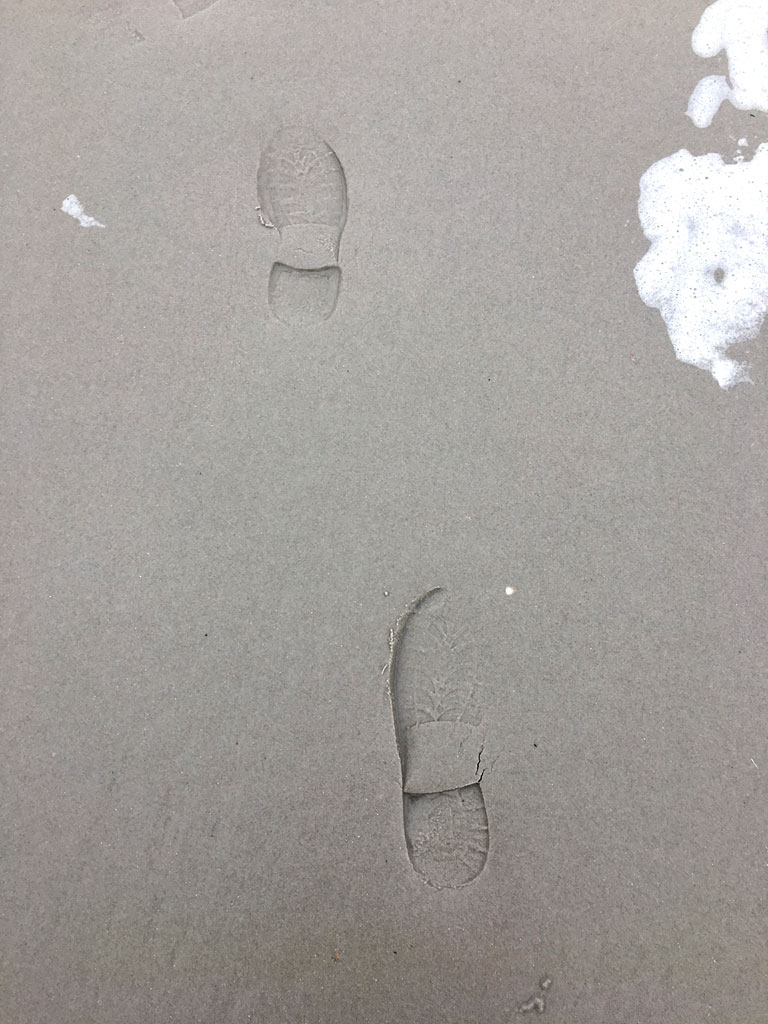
303	193
432	685
187	8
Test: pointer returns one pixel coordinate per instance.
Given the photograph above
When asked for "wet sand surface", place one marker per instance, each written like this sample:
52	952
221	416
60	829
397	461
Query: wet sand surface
216	520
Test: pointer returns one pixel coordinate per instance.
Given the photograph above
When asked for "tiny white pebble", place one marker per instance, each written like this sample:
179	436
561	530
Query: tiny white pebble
510	591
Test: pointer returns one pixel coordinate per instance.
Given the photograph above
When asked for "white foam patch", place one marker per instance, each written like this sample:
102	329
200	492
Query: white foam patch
74	208
740	27
706	99
707	268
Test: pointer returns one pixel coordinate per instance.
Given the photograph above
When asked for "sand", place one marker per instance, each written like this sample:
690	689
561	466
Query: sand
214	520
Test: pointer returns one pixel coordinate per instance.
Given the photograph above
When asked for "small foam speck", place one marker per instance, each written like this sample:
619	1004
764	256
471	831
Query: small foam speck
74	208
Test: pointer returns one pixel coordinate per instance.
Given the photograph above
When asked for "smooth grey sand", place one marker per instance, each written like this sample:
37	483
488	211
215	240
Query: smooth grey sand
213	520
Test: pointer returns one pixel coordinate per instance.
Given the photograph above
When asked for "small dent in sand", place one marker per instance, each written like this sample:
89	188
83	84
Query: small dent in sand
536	1003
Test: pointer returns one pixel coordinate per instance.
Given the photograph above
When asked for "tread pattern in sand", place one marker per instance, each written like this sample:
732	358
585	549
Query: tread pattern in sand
433	685
189	7
303	193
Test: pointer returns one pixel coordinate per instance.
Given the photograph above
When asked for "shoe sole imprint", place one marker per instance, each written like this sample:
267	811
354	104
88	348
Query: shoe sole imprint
432	686
303	193
187	8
